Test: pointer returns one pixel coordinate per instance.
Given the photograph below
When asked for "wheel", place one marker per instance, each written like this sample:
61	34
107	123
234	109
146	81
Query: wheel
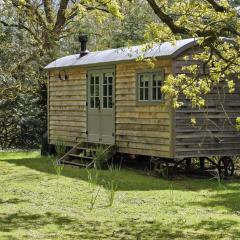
226	166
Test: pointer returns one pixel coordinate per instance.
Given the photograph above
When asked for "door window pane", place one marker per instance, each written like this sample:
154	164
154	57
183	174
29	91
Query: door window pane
105	90
92	80
92	102
105	80
105	102
97	102
96	90
97	80
110	90
92	90
110	105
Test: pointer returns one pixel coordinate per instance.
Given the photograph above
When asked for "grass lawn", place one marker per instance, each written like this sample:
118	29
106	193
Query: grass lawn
35	203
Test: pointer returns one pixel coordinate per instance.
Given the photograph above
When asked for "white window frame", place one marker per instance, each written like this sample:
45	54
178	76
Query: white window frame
150	87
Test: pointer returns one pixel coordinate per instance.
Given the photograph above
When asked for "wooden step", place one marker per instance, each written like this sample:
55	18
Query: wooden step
77	164
73	156
80	157
85	148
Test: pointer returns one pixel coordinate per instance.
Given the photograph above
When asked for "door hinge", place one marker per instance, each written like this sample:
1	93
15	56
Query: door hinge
113	134
87	132
86	75
86	103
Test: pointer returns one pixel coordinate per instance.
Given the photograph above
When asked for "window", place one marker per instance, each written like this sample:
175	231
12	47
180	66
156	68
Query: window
107	90
144	87
100	90
149	87
94	91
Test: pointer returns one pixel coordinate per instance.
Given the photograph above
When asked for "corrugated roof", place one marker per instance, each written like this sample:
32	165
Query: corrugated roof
123	54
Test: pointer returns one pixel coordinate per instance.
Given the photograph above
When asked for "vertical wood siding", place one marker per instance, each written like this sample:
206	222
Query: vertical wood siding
67	107
141	128
215	131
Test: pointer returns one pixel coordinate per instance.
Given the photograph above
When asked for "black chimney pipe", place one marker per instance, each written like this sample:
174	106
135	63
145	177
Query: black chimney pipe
83	39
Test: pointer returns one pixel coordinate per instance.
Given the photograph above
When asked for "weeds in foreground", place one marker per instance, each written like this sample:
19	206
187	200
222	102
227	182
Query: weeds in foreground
114	168
111	188
171	193
100	157
217	176
58	168
93	180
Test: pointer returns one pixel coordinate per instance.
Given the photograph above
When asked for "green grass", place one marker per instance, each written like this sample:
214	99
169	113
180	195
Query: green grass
35	203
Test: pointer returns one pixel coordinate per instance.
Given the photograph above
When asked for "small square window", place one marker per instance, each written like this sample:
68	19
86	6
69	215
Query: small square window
149	87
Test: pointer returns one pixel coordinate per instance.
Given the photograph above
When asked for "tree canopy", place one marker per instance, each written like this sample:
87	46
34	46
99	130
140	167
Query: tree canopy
215	24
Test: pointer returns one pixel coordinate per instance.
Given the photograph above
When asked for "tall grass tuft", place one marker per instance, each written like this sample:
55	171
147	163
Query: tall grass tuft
171	193
114	168
111	187
58	168
100	157
218	177
93	180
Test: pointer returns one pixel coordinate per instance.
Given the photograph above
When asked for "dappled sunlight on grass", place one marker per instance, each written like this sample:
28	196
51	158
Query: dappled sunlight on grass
35	203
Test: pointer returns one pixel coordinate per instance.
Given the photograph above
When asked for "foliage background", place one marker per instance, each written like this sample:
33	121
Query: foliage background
33	33
26	47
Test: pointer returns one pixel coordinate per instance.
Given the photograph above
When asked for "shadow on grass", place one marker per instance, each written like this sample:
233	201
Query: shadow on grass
20	220
70	228
228	200
12	201
127	180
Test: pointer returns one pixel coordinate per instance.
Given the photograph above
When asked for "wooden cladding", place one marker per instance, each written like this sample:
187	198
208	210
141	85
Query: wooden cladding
215	130
67	107
141	128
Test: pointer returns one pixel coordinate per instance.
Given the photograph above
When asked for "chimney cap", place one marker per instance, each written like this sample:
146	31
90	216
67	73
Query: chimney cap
83	39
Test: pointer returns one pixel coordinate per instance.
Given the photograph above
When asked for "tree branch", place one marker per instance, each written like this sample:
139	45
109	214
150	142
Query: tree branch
21	26
48	10
61	18
30	10
216	6
167	19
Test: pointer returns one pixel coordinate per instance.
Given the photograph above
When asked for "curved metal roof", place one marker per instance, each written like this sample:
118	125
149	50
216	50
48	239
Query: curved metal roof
123	54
